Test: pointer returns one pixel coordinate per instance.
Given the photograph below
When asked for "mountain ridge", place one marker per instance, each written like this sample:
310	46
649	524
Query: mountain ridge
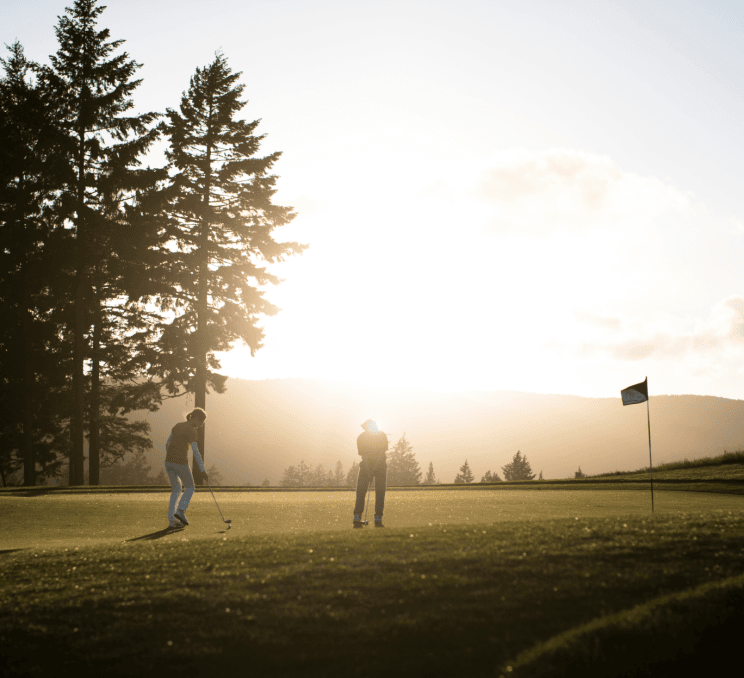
258	428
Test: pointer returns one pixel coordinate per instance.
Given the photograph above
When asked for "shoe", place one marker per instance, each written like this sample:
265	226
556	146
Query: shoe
378	521
180	514
175	525
358	520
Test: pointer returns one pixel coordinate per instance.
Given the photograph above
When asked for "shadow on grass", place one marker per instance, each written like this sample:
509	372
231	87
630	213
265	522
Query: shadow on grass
4	552
159	534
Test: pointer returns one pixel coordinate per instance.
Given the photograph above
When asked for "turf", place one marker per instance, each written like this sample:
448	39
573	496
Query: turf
459	583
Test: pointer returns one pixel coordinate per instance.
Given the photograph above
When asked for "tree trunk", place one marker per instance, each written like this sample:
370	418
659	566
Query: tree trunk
94	456
77	475
202	310
29	465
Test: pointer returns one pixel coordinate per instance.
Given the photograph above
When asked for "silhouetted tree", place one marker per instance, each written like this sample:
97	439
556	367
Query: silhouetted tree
402	467
352	475
221	219
31	172
339	477
518	469
465	475
579	473
296	476
540	477
266	483
136	471
215	476
490	477
93	89
430	478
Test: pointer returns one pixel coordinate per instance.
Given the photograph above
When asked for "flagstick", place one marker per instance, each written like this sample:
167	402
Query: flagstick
650	462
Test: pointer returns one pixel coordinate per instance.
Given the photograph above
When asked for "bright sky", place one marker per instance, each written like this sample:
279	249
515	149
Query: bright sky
514	194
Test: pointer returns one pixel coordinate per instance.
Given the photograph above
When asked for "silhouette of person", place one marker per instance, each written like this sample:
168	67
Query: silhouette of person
371	445
177	464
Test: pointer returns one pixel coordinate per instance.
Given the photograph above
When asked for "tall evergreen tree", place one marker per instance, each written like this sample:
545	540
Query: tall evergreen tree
518	468
402	467
30	166
465	475
430	478
94	89
221	221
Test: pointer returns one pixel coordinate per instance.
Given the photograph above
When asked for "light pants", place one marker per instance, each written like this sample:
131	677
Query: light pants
182	471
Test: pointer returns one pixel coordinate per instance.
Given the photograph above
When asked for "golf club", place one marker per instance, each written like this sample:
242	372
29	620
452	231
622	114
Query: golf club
218	508
369	489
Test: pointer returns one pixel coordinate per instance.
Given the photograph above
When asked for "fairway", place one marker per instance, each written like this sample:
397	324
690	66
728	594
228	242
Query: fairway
77	519
461	582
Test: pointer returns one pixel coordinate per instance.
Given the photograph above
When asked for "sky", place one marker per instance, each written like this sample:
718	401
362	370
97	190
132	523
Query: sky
526	195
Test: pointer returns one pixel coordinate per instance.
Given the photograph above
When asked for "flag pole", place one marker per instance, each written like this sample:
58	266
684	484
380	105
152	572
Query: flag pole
650	462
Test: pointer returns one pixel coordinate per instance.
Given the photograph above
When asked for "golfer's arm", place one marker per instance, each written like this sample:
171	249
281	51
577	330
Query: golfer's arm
197	456
167	442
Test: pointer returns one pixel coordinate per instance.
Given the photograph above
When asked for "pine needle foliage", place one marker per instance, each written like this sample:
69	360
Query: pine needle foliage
518	468
402	467
220	222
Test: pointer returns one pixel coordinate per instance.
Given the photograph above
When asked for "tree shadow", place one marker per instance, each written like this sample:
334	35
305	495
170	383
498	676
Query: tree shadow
159	534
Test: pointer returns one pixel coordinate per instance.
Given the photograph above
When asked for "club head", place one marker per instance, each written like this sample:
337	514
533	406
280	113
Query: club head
229	526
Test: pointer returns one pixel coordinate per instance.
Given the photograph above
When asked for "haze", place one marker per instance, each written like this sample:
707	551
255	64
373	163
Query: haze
537	196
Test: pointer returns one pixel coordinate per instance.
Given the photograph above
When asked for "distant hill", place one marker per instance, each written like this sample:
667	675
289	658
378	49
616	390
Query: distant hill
258	428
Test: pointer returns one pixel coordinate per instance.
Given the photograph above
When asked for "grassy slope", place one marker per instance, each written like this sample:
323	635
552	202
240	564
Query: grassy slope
291	591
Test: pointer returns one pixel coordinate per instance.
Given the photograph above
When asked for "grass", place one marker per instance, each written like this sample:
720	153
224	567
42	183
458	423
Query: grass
459	583
723	466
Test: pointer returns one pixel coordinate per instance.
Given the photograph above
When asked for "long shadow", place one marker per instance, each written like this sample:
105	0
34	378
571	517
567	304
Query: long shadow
159	534
6	551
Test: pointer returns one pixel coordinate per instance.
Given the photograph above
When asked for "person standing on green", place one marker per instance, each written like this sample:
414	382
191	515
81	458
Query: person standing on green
371	446
177	464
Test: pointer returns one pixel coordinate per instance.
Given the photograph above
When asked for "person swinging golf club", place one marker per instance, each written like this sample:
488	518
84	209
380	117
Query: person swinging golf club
177	465
371	445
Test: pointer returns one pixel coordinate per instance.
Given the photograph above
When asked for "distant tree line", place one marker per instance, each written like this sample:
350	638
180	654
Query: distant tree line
120	283
517	469
402	470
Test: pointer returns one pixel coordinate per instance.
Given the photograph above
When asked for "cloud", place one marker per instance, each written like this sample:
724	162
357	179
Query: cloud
722	332
537	193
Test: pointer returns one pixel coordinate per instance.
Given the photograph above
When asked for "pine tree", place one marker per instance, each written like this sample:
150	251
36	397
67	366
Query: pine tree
490	477
465	475
430	478
352	475
31	154
93	89
339	477
518	469
579	473
402	467
221	221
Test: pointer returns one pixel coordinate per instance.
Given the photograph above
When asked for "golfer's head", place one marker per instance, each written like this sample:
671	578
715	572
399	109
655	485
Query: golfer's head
370	426
196	417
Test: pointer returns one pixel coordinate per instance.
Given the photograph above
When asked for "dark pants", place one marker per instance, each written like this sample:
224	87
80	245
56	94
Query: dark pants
369	470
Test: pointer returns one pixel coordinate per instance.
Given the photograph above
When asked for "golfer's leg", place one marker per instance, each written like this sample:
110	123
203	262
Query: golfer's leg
362	483
188	486
175	489
380	487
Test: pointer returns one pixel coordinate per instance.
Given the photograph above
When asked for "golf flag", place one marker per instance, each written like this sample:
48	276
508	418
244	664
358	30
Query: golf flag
638	393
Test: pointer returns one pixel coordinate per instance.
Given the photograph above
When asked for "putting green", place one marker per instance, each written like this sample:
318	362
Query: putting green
78	520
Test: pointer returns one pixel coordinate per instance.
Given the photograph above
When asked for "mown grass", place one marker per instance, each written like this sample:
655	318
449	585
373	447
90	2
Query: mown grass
494	575
722	466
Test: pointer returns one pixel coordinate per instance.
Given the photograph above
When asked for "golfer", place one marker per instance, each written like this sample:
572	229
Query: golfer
177	464
371	445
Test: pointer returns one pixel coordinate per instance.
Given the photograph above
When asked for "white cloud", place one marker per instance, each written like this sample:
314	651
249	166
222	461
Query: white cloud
666	338
538	193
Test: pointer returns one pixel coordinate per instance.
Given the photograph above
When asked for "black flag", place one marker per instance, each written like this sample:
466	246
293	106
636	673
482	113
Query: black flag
638	393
